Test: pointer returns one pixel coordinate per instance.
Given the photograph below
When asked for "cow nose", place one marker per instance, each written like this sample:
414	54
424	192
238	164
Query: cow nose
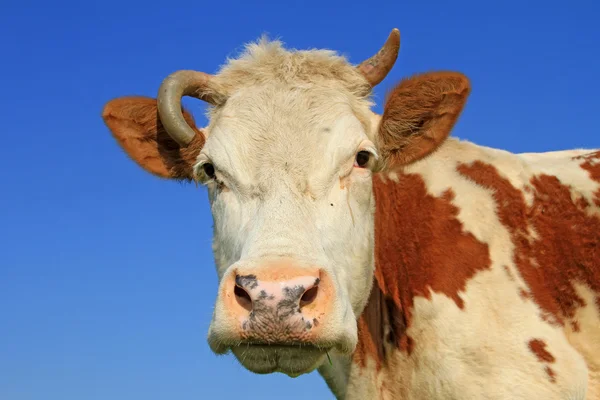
277	304
296	293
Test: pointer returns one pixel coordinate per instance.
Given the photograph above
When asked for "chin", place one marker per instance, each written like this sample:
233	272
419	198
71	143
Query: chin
292	360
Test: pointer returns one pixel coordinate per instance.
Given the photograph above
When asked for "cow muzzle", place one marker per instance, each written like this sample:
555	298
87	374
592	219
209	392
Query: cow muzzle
279	318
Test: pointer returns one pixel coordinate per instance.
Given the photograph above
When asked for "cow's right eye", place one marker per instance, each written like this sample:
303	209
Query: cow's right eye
362	159
209	170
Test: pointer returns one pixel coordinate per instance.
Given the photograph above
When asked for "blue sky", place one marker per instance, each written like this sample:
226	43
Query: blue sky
106	288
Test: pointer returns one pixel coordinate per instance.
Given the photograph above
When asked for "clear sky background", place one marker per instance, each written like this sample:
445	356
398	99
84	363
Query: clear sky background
107	279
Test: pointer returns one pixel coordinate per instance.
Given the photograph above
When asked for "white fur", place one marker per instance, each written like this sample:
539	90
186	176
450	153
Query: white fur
290	190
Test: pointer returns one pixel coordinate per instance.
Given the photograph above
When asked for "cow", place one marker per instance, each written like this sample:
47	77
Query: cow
398	261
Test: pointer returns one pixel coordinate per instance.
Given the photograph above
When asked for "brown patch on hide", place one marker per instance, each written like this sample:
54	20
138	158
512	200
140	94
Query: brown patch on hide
420	247
575	326
551	374
538	347
421	244
565	249
419	114
370	330
406	344
380	313
134	123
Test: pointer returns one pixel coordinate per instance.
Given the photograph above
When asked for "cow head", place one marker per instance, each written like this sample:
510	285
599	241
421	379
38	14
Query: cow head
288	159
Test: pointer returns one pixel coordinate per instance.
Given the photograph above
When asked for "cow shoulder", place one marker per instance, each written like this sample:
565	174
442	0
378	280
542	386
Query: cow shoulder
450	284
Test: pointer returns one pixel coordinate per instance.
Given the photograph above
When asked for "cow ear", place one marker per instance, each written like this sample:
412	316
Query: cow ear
419	114
134	123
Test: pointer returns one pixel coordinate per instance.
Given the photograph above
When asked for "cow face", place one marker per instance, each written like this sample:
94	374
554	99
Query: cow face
288	158
293	224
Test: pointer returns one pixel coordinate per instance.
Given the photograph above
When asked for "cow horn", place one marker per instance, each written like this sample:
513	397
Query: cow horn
376	68
173	88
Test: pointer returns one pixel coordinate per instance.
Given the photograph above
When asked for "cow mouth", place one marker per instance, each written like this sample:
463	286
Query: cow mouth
290	359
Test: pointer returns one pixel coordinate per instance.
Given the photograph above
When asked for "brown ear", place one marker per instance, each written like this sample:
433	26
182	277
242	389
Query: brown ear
135	124
419	114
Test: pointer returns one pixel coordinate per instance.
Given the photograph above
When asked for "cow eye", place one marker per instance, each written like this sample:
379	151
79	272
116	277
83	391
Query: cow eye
362	159
209	170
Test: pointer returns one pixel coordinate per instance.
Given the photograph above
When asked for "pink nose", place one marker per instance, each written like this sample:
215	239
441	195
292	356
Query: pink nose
278	304
288	295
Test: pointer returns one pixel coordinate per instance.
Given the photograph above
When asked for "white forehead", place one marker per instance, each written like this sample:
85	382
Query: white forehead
271	131
287	113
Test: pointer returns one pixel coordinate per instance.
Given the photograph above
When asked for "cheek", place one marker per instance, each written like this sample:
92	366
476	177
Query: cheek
348	238
227	225
347	225
361	205
360	189
363	240
351	204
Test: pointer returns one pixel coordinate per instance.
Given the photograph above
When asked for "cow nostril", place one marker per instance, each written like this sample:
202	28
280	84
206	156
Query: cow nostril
309	296
243	298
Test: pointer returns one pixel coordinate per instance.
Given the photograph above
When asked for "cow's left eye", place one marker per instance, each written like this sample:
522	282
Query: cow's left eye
362	159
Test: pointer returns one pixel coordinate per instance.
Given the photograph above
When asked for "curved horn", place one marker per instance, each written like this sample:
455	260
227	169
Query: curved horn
376	68
173	88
